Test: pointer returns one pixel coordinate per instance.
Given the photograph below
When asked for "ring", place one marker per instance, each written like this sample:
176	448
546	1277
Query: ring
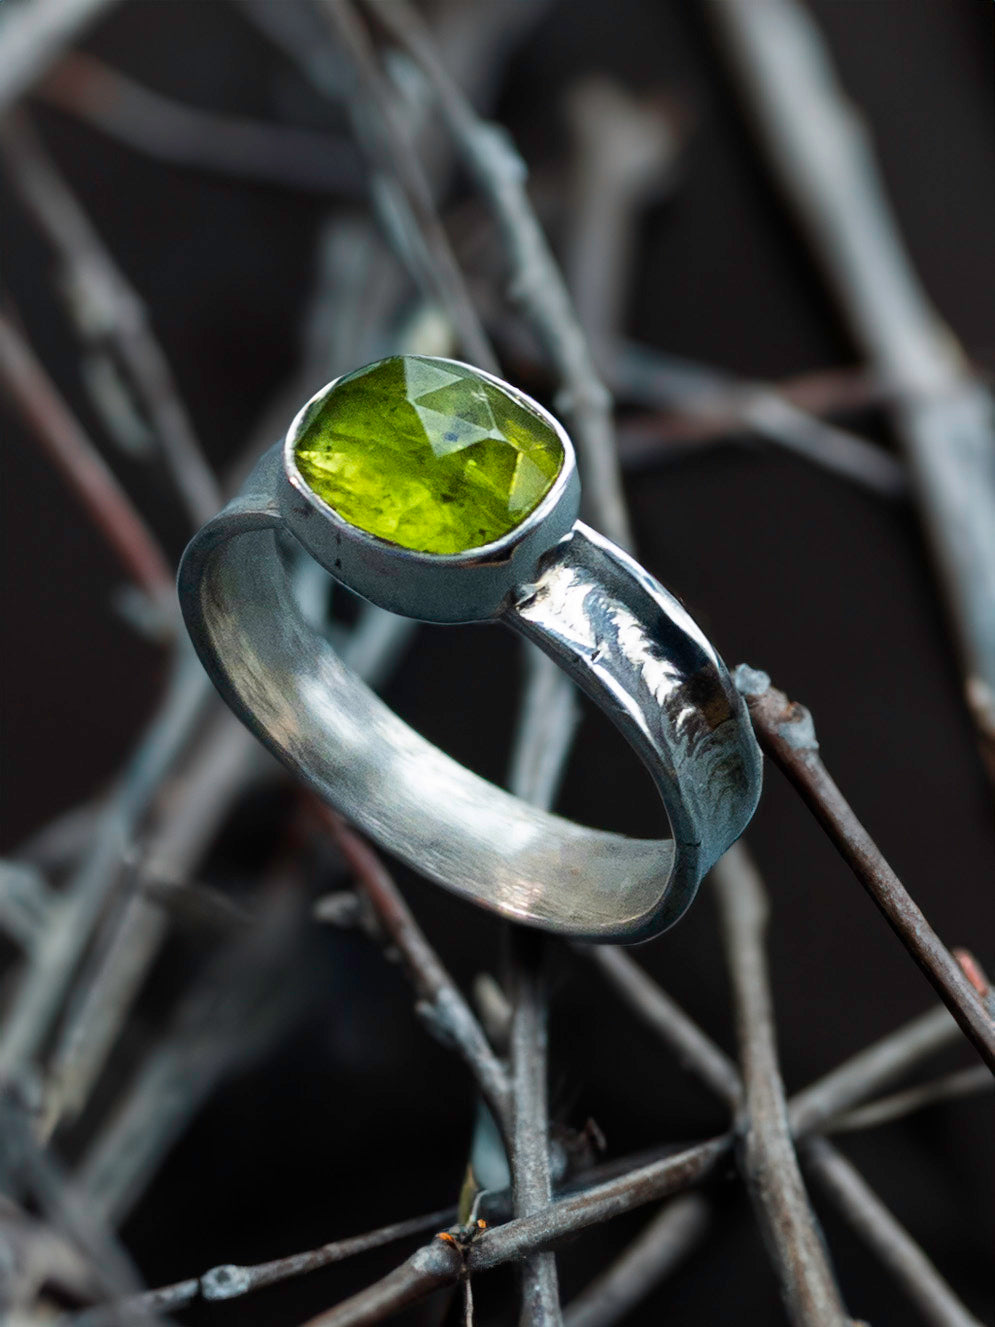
441	493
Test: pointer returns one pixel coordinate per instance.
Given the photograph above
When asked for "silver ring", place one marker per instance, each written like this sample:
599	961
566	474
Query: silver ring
620	636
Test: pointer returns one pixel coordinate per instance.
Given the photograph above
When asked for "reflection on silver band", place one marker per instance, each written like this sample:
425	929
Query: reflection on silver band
621	637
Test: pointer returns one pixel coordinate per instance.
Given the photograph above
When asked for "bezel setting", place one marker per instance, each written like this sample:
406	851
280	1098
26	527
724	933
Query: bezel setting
469	586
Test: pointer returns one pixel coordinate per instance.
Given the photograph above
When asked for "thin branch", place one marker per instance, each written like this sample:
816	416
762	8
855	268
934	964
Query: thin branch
64	441
42	989
820	153
438	1264
662	1015
271	154
226	757
536	286
849	1084
108	310
34	35
382	135
787	734
530	1163
250	991
232	1281
660	1248
873	1222
767	1155
438	994
714	405
969	1082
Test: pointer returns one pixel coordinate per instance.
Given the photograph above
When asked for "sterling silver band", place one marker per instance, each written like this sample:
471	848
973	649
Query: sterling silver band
620	635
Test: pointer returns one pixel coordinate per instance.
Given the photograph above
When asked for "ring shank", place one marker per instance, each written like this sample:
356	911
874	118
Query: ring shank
623	639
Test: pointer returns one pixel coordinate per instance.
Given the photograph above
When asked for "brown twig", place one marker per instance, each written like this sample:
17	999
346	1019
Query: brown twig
812	1109
108	310
787	734
767	1155
439	995
64	441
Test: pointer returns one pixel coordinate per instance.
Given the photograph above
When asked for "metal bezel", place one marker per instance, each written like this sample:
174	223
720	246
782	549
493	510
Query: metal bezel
432	587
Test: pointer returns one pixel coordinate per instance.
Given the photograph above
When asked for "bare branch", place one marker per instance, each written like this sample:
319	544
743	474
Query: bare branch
54	962
950	1087
787	734
821	156
713	405
429	1269
435	988
270	154
378	128
64	441
34	35
530	1164
661	1247
536	286
865	1211
231	1281
768	1159
107	309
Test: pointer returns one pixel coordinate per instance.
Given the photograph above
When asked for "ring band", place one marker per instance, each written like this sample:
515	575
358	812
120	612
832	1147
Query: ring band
620	636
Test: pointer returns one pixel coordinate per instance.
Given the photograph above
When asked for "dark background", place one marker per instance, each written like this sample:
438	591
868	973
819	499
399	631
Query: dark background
360	1118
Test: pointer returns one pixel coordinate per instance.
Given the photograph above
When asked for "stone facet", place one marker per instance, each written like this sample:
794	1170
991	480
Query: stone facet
428	454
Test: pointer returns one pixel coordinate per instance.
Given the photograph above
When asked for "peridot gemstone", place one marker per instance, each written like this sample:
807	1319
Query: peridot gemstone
428	455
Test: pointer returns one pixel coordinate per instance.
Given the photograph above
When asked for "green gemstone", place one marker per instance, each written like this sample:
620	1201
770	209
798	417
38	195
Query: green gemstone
428	455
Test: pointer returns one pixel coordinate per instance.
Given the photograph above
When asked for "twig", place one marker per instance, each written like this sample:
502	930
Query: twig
374	112
55	960
226	757
34	35
820	154
439	996
250	989
27	904
950	1087
659	1249
767	1155
536	286
231	1281
108	310
865	1211
435	1265
662	1015
713	405
812	1109
74	454
625	150
530	1164
269	154
787	734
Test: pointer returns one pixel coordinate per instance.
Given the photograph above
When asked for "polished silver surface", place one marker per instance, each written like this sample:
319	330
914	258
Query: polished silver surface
620	635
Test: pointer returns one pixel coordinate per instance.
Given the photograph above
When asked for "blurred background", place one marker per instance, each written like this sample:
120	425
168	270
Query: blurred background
349	1115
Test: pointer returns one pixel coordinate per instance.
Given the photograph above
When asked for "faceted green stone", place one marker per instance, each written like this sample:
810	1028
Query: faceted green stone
428	455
